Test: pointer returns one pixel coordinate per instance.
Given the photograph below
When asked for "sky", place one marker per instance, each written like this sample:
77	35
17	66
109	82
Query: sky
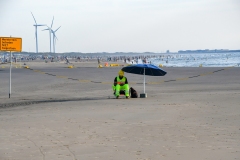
91	26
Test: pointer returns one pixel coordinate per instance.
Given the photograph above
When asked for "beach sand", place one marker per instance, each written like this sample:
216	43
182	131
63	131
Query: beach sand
56	112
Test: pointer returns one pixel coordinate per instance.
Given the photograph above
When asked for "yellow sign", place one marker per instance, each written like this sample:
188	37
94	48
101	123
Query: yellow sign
10	44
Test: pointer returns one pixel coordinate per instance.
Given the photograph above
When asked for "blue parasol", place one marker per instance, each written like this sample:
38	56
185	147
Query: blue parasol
144	69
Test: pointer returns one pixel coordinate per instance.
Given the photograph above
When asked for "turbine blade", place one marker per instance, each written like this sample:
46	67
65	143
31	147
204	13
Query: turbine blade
34	18
54	35
57	29
52	22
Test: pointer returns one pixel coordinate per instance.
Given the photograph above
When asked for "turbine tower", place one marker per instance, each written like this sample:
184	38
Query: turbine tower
36	25
49	29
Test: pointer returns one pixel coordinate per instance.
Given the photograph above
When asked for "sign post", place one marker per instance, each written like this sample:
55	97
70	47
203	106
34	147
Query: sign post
10	76
10	44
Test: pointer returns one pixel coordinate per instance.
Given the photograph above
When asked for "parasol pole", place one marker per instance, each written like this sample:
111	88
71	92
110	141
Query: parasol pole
144	80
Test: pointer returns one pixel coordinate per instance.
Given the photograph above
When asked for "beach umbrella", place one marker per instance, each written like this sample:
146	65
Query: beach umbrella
144	69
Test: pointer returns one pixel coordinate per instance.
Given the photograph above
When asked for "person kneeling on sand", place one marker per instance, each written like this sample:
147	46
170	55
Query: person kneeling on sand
121	84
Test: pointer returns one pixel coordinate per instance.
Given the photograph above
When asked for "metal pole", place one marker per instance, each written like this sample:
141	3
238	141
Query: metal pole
50	40
10	76
144	79
36	39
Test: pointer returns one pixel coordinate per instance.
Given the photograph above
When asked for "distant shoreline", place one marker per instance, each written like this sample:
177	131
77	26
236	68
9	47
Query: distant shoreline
208	51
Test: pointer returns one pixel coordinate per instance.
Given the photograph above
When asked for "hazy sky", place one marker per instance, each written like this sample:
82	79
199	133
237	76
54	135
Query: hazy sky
124	25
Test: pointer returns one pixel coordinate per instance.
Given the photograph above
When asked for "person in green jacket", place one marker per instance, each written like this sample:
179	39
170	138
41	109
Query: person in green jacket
121	83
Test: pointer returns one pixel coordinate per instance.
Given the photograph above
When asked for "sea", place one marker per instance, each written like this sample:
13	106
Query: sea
224	59
197	60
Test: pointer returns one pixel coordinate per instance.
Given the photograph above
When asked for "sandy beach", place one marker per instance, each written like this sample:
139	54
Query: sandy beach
56	112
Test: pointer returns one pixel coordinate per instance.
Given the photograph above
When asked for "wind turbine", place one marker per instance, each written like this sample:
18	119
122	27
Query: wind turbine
54	38
36	25
50	33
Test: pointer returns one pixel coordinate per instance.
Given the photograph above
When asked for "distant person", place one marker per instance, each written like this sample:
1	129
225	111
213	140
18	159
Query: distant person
139	61
121	84
67	61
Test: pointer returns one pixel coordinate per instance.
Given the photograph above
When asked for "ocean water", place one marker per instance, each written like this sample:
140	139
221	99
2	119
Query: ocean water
198	59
